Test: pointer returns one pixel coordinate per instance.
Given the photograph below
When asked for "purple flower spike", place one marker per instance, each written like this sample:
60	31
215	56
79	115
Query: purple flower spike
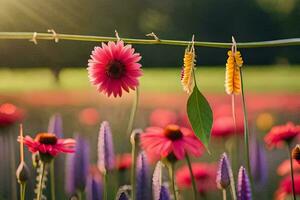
142	178
77	167
56	125
156	181
164	193
106	156
258	162
123	196
94	188
244	190
224	174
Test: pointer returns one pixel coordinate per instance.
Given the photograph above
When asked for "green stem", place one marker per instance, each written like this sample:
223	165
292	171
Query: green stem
134	152
22	191
79	194
292	170
105	185
192	176
133	111
52	177
224	194
40	185
172	179
246	129
89	38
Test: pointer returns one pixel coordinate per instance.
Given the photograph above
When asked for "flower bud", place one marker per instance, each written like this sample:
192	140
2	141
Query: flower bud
22	173
296	153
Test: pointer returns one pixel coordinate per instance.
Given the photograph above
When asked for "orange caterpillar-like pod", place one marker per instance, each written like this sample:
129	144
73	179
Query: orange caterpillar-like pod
232	75
187	69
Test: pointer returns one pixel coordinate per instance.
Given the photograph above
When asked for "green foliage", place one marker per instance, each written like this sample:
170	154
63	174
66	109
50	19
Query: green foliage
200	116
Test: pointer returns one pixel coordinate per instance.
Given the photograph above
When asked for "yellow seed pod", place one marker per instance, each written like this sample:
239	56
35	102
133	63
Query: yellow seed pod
232	74
187	69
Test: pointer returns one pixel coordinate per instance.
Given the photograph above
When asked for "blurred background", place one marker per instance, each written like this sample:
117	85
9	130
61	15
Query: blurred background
50	78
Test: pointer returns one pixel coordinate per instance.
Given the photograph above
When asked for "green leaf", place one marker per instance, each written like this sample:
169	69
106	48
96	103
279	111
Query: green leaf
200	116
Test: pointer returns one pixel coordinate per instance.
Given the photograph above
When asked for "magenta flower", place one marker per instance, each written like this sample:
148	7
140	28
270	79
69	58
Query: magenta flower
173	139
114	67
48	143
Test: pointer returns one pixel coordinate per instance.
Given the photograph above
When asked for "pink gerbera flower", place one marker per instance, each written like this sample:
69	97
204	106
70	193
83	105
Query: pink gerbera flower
170	141
48	144
280	134
114	67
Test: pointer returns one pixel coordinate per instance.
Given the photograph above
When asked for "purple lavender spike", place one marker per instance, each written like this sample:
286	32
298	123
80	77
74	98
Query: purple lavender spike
94	188
156	181
224	174
77	167
164	193
55	125
123	196
258	162
106	156
244	190
143	191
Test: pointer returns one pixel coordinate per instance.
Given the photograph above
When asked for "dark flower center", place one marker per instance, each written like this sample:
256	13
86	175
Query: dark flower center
46	138
173	132
115	69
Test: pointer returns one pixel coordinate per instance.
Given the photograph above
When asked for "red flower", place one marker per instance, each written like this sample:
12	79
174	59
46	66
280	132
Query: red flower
49	144
285	187
123	161
114	67
224	126
173	140
204	173
284	168
162	117
9	114
280	134
89	116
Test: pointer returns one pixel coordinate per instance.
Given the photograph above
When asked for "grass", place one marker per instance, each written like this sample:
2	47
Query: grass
257	79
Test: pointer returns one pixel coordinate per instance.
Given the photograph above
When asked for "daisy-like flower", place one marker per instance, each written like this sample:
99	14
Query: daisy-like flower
285	187
114	67
232	74
173	140
204	173
47	144
282	134
188	67
284	168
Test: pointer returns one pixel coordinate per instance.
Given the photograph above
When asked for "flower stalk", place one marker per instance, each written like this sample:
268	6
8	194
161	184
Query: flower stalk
246	130
133	111
52	179
172	179
89	38
192	176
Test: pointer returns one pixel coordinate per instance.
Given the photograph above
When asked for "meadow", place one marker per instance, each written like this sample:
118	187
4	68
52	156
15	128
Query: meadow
272	98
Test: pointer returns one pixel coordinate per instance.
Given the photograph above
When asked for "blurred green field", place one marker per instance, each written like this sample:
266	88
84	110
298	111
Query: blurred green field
257	79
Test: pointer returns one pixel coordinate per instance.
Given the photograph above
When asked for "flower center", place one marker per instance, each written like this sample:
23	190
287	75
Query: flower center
115	69
173	132
46	138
